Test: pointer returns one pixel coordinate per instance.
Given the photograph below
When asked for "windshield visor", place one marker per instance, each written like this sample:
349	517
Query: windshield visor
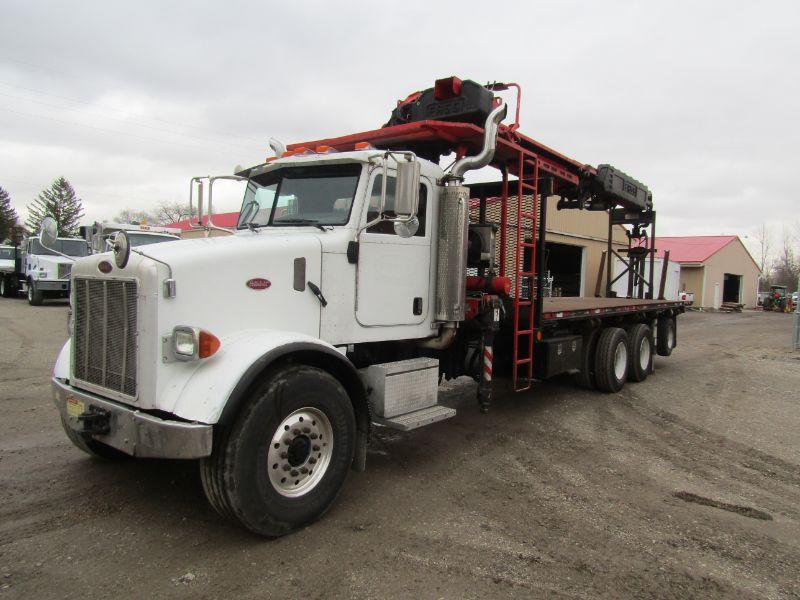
315	195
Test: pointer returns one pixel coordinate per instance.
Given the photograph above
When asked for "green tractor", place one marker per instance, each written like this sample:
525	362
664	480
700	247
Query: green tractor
778	299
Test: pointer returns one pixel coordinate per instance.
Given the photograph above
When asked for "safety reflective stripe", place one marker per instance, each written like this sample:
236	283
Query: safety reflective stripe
487	363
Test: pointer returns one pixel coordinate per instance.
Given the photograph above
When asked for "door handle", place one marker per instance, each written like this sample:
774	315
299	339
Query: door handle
318	293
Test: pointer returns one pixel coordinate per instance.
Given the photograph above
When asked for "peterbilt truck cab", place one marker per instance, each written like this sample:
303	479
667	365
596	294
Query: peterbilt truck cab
360	273
247	351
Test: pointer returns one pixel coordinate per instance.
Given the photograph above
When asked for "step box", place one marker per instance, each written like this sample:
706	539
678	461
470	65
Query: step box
400	387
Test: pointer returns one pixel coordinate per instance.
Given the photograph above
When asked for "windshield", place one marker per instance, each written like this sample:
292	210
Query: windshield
68	247
6	253
318	195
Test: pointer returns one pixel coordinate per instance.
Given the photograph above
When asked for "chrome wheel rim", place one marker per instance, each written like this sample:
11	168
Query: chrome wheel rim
30	293
300	452
620	361
671	338
644	354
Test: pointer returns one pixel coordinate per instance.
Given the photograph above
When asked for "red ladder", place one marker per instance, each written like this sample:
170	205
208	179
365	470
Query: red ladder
528	174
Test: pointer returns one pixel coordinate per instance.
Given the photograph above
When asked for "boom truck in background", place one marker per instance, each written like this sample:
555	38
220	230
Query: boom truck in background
360	274
42	272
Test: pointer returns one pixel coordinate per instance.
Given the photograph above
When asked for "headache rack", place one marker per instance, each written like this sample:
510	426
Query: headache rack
539	172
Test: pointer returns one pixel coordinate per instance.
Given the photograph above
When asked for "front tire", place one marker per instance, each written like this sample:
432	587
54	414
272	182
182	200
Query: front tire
611	360
5	286
284	460
35	295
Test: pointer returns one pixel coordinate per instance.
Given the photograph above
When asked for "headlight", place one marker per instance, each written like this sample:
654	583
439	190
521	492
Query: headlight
191	343
184	342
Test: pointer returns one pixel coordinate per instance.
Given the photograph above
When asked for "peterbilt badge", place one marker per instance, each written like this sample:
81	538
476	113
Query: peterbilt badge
258	283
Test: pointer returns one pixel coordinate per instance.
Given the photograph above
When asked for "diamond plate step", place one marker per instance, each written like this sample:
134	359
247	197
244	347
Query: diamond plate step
417	418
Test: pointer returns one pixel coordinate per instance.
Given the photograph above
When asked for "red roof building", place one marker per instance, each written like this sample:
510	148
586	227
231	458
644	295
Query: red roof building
715	268
220	220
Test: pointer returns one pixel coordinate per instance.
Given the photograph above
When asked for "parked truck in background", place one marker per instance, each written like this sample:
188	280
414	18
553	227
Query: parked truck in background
100	235
43	273
359	275
8	256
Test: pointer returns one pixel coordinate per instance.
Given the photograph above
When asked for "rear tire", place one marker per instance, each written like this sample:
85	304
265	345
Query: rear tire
611	360
666	338
284	460
640	340
5	286
91	446
35	295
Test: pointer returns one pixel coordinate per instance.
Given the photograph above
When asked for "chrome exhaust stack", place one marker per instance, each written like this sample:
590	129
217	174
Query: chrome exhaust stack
484	157
451	280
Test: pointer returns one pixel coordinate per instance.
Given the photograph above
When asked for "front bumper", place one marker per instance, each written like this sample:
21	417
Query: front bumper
52	285
130	430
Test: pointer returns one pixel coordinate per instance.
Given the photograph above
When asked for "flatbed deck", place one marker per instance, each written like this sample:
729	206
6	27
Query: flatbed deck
574	308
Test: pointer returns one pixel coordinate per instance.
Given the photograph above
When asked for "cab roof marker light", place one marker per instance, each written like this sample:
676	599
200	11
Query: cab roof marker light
325	150
364	146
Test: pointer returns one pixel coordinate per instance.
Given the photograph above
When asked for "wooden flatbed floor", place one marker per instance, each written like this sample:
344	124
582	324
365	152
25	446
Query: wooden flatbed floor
573	308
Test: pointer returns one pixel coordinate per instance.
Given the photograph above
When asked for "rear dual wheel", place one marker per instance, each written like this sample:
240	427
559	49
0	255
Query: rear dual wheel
284	460
611	359
640	342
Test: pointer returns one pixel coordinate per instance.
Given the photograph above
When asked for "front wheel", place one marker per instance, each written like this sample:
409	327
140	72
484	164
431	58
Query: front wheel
284	460
5	286
35	295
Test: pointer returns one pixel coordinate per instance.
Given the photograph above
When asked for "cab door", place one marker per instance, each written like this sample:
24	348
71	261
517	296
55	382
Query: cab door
393	273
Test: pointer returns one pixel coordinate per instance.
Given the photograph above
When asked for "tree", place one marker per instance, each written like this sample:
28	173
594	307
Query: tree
787	267
172	212
8	216
132	215
763	237
60	202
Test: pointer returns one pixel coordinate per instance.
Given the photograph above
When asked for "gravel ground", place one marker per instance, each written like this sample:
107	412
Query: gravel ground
685	485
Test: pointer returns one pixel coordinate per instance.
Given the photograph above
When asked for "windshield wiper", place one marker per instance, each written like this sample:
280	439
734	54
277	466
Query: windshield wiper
295	221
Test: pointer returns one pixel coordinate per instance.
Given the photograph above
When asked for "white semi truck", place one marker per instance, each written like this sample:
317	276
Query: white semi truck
360	273
41	272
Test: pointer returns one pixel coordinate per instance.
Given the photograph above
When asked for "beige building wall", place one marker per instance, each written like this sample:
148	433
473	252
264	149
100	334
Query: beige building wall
588	230
692	278
736	260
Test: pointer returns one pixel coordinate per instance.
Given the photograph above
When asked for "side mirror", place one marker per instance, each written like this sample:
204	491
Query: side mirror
48	233
407	189
407	229
122	249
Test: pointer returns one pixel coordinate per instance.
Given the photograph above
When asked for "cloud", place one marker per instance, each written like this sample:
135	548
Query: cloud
129	100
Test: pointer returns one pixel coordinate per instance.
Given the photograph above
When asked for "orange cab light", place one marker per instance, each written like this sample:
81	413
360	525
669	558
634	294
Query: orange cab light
208	344
363	146
288	153
324	149
271	158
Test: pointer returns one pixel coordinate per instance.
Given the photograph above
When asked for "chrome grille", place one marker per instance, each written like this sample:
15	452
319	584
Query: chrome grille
64	270
104	337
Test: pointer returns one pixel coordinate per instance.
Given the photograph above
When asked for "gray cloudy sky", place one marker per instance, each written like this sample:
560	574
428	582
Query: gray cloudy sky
129	99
